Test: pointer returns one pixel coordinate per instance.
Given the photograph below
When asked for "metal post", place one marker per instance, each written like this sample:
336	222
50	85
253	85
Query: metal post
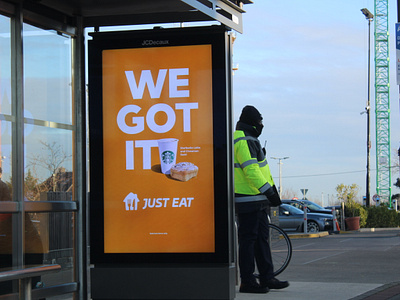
80	191
280	163
369	16
343	223
368	109
305	218
17	108
25	288
280	178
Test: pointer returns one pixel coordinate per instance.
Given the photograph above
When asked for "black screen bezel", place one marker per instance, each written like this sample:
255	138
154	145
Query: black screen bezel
216	36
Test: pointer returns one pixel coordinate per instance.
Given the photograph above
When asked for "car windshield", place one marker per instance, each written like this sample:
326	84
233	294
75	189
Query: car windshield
312	205
291	209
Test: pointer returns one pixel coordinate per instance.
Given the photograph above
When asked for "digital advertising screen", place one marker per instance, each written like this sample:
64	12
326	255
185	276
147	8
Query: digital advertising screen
153	145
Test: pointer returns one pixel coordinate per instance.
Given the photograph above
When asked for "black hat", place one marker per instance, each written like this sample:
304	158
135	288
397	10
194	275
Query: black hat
250	115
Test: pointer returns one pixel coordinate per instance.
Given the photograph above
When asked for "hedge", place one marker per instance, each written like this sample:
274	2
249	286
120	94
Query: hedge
382	217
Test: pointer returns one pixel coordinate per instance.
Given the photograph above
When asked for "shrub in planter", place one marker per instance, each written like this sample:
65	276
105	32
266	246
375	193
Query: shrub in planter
381	217
348	195
354	209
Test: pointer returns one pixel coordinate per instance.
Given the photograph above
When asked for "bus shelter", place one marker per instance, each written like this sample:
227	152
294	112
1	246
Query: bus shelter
61	62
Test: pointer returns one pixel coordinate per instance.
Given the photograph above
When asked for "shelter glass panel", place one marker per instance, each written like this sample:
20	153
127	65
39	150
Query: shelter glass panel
5	66
48	164
47	75
5	109
5	146
48	115
49	239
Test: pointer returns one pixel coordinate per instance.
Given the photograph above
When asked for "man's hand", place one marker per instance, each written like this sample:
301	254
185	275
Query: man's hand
273	196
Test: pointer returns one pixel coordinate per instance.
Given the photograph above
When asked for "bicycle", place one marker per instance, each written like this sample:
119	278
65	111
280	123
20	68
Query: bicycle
281	248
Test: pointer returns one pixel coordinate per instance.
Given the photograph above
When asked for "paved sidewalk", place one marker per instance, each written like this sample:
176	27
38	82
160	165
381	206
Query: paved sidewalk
389	291
331	291
313	290
301	290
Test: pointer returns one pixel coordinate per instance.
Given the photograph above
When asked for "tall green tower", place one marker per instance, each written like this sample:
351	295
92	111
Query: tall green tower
382	103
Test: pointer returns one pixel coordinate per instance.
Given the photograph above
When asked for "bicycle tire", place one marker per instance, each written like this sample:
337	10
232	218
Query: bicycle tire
281	248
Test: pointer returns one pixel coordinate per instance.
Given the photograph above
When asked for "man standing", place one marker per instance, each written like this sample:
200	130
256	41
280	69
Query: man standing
255	192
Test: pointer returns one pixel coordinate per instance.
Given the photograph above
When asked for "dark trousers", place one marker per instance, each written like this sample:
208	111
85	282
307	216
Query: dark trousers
254	247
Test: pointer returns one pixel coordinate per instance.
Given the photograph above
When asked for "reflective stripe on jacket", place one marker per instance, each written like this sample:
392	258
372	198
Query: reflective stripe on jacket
252	173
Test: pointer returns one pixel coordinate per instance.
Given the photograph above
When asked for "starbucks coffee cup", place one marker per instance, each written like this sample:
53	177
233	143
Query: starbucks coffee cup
168	150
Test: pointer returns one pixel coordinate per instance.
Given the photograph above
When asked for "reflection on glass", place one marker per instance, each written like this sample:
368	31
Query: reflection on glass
5	146
48	240
5	67
48	148
47	75
5	108
48	108
51	236
5	194
5	162
48	172
48	155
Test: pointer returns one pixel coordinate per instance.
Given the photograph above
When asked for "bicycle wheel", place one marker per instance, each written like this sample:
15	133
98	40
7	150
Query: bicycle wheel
281	248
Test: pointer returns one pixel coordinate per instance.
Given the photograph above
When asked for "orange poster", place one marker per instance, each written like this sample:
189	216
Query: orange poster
158	150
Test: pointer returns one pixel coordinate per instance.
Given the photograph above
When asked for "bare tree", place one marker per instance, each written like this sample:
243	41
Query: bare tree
52	158
288	194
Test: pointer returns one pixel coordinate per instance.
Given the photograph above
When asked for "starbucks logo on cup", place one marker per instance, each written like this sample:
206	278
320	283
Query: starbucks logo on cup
168	157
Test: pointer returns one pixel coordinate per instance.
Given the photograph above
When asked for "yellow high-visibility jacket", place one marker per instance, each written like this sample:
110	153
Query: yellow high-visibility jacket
251	170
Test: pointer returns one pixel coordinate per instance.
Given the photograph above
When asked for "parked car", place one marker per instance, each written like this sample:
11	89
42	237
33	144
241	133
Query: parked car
311	206
292	219
338	209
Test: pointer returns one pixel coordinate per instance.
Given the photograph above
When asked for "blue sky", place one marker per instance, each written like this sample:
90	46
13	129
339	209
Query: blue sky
304	66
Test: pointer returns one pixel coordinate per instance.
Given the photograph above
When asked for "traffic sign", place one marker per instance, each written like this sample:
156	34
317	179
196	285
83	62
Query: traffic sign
376	197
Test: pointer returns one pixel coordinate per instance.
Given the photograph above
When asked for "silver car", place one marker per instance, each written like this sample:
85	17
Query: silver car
292	219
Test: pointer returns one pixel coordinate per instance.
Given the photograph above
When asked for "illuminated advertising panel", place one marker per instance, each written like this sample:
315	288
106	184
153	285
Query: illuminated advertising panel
154	181
158	154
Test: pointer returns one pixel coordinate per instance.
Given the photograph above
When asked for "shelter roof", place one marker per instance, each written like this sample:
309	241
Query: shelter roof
135	12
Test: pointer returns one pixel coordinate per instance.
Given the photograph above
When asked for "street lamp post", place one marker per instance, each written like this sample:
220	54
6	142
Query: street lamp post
370	17
280	163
